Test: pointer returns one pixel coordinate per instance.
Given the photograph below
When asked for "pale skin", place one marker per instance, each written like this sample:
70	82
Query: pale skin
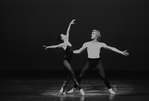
93	47
64	37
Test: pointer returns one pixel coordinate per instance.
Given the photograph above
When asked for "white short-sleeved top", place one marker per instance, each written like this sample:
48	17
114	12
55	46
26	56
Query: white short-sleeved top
93	48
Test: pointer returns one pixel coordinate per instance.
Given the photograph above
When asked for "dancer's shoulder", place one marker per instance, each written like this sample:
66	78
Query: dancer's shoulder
88	42
102	44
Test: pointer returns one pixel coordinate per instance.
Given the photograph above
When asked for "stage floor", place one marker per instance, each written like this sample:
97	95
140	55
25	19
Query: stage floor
47	89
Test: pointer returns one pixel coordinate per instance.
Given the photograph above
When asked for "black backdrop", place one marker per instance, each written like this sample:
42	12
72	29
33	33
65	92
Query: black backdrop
26	25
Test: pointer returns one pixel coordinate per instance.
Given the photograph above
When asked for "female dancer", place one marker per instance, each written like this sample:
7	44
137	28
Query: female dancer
66	45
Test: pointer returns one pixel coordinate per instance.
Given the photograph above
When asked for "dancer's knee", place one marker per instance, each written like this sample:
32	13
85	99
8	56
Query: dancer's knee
102	75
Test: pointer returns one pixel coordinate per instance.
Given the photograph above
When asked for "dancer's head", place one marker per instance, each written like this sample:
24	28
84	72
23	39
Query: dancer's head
95	34
61	38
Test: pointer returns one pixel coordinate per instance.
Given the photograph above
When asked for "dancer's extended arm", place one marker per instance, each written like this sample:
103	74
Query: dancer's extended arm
116	50
54	46
80	50
68	29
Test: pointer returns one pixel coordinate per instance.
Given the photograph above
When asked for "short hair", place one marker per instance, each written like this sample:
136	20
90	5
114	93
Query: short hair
59	38
98	34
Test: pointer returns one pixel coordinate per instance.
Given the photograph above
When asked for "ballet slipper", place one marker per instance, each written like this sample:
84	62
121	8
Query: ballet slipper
82	92
62	91
111	91
72	90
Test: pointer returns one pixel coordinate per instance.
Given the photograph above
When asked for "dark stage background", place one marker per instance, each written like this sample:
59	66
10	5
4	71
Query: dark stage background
27	25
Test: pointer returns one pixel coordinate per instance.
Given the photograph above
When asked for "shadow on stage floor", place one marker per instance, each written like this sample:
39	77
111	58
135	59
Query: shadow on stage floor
45	86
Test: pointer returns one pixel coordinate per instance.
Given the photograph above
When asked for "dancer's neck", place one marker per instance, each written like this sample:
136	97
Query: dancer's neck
95	40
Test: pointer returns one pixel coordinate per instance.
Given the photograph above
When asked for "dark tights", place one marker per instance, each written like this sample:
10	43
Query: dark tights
89	66
70	73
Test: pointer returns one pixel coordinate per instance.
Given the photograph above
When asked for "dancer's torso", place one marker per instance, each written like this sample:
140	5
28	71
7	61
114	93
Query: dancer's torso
93	49
68	53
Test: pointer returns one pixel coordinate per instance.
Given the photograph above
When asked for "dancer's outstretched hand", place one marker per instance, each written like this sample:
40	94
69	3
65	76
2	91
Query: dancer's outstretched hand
125	53
73	21
45	47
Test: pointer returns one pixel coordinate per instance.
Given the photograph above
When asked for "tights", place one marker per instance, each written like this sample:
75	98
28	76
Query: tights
70	73
89	65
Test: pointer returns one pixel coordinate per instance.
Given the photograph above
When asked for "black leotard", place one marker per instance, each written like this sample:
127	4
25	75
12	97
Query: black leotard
66	62
68	53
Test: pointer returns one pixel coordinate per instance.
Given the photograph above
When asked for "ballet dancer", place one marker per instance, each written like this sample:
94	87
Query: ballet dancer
67	46
93	51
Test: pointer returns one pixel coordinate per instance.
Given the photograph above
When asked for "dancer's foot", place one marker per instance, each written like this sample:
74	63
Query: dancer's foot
72	90
82	92
111	91
62	91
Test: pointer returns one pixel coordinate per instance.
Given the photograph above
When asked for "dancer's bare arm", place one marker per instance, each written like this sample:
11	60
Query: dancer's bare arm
68	29
54	46
116	50
81	49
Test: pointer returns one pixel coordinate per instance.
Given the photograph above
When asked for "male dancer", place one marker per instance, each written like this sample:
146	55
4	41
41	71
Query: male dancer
93	50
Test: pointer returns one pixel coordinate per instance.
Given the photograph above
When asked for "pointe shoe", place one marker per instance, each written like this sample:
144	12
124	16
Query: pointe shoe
111	91
62	91
72	90
82	92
